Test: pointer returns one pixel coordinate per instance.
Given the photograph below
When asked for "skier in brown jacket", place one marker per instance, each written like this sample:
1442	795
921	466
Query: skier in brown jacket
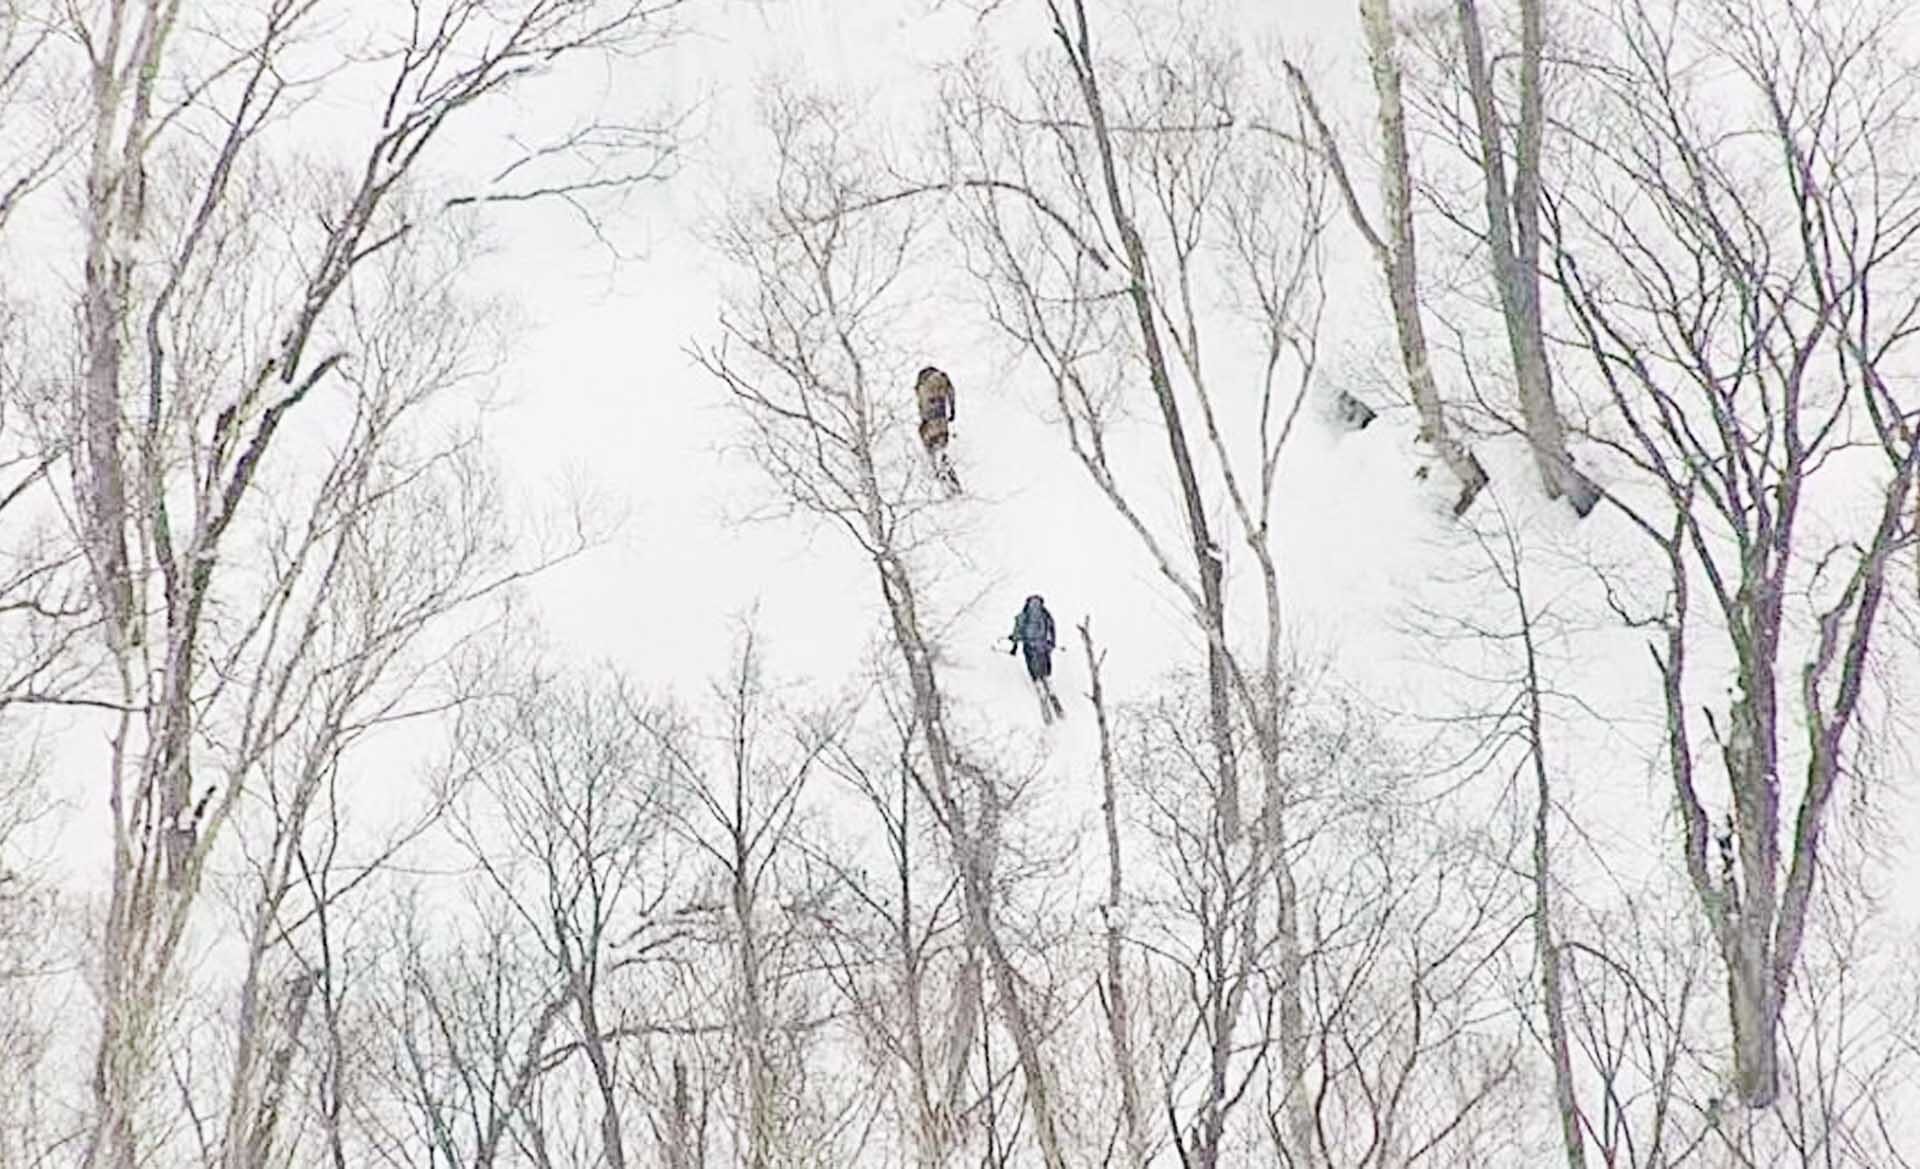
935	391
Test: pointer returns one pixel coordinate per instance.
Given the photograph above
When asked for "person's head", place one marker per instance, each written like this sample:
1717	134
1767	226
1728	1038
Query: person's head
1034	602
928	372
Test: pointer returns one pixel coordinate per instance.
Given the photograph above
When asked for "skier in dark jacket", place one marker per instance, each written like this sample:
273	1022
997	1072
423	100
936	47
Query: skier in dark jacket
1033	632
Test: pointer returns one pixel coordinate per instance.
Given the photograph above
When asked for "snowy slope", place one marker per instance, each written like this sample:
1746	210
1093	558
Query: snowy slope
608	395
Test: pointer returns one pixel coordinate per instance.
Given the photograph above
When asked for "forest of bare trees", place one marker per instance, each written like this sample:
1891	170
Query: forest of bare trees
315	850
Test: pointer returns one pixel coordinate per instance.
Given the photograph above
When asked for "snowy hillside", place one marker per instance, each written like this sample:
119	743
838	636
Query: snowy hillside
493	676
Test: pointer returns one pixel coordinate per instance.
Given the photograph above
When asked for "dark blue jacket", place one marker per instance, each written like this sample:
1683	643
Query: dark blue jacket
1033	627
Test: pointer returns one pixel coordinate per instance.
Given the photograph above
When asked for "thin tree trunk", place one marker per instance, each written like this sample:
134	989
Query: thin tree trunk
1513	243
1552	990
1209	558
333	1087
115	198
1293	1015
1396	253
936	1107
593	1039
1275	698
965	1019
679	1142
971	842
265	1122
1118	1006
753	1024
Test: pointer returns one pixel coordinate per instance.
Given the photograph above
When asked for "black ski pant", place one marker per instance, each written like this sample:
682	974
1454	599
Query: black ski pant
1039	661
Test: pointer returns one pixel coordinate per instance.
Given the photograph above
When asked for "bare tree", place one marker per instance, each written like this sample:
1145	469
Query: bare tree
899	952
1511	708
746	803
1639	1021
33	958
1507	236
34	110
1513	238
1396	253
1610	987
1846	1061
1735	277
1212	926
43	607
1115	1000
804	358
1102	190
1406	1068
218	557
684	1142
572	776
1634	974
531	994
1138	229
1400	917
466	1037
